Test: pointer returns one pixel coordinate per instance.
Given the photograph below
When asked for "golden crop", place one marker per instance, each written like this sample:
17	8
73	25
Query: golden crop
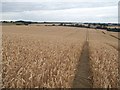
42	58
103	60
47	56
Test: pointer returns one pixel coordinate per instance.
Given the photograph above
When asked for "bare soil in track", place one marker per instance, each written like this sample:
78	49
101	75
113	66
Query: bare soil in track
82	78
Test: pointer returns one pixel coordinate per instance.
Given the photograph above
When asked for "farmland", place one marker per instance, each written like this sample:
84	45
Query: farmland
49	56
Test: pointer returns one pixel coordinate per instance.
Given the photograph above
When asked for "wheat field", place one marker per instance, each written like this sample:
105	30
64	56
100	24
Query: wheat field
47	56
103	59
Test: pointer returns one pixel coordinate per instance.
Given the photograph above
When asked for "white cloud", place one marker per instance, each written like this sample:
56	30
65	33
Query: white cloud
60	0
107	12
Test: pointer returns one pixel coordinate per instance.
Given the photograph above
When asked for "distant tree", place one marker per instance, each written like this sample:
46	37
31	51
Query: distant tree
4	21
61	24
89	25
45	22
11	21
76	25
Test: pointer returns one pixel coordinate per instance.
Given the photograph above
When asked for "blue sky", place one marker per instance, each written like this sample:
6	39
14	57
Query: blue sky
61	10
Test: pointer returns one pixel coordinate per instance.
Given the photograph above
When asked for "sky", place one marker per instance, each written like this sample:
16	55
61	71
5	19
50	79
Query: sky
60	10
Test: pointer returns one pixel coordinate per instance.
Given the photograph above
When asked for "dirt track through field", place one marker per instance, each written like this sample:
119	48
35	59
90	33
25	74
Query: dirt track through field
82	76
